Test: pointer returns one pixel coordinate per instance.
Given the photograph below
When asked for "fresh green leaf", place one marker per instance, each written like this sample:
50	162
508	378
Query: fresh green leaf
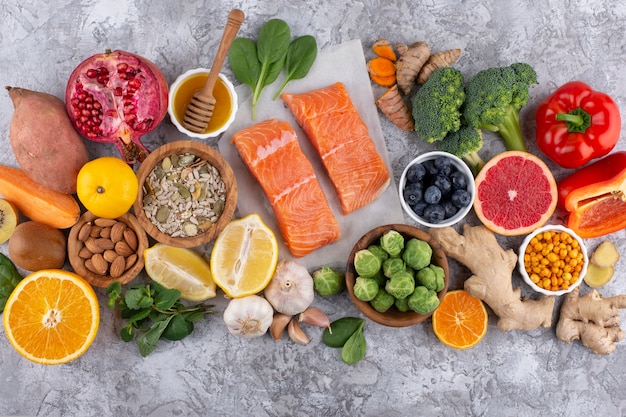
340	331
9	278
136	298
273	41
355	347
127	333
166	299
145	347
156	330
301	55
195	316
178	328
244	63
139	315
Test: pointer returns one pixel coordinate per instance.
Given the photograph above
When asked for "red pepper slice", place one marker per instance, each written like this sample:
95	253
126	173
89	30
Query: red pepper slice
595	197
576	124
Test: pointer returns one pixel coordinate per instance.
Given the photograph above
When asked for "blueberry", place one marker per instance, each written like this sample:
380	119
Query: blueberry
430	167
413	192
434	213
461	198
419	207
443	183
449	208
432	195
444	165
459	181
415	173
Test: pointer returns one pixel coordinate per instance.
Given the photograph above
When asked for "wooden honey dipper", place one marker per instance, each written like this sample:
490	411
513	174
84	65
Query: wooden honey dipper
200	108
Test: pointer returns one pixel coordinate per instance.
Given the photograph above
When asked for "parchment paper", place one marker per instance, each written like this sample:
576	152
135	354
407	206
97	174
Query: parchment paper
345	63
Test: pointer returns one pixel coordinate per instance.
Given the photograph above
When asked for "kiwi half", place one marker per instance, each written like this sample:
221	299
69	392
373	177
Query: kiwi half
9	217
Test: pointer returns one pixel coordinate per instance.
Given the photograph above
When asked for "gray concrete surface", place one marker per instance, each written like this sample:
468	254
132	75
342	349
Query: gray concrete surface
406	372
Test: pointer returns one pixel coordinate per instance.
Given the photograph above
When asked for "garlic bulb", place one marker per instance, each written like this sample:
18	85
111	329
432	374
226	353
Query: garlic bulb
249	316
291	289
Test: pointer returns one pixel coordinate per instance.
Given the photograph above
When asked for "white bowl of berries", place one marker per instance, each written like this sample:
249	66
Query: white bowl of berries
437	189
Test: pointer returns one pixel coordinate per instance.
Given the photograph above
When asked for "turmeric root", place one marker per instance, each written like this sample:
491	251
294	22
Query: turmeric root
438	60
392	105
382	71
591	319
387	81
409	64
383	48
493	268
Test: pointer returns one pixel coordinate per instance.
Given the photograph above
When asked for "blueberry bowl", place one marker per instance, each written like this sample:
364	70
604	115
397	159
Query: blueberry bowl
437	189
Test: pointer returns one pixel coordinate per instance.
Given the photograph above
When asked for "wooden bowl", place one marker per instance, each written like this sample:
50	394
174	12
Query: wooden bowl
393	317
206	153
74	246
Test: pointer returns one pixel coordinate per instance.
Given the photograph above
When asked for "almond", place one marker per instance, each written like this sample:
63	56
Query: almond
102	222
84	231
105	232
95	231
99	265
117	232
131	239
122	248
105	243
109	255
131	260
118	266
84	253
92	246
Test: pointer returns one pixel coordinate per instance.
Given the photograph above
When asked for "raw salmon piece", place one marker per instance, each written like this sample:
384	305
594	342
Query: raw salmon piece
336	130
271	151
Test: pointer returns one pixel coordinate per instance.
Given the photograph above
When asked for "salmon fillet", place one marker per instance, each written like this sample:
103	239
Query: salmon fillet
271	151
349	155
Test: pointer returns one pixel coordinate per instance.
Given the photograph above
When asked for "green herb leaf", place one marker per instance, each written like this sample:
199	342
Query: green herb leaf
340	331
355	347
244	63
195	316
166	299
145	347
301	55
9	278
139	315
127	333
136	298
178	328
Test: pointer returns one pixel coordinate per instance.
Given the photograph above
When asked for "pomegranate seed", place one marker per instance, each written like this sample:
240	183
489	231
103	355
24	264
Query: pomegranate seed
111	113
135	83
103	71
85	112
128	118
82	96
92	73
122	67
102	79
89	99
77	112
118	91
97	105
95	113
81	105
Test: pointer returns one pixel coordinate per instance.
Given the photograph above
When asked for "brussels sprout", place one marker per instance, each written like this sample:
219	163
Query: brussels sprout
383	301
393	265
431	277
328	281
401	284
392	242
366	263
417	254
365	289
402	304
378	251
423	300
380	278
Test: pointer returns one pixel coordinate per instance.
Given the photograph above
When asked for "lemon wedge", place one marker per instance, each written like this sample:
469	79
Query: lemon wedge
244	256
181	269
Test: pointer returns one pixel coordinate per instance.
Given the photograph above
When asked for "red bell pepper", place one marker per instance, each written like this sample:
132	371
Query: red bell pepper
576	124
595	197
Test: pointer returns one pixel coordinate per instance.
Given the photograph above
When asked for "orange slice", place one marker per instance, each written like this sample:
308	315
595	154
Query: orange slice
460	321
52	316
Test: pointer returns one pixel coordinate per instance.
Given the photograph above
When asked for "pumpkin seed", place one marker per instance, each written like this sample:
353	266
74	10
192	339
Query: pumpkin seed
162	214
166	164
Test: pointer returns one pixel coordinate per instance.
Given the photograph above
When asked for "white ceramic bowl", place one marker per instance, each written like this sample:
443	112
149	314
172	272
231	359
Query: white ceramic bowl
174	89
459	165
522	250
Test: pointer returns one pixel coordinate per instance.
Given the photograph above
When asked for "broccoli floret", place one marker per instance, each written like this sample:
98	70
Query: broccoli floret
465	143
494	98
437	104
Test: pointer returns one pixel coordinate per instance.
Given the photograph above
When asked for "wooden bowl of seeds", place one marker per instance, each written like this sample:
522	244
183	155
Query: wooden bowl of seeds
106	250
187	194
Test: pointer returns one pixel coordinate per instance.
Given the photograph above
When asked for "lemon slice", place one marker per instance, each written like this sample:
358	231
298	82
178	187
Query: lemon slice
182	269
244	256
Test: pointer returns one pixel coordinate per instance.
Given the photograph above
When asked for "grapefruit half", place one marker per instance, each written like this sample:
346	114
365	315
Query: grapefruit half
515	193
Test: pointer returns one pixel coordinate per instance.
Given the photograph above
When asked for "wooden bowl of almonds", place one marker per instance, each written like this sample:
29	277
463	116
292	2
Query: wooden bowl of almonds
105	250
187	194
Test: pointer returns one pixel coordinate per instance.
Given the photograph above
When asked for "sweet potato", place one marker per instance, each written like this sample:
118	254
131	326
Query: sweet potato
45	144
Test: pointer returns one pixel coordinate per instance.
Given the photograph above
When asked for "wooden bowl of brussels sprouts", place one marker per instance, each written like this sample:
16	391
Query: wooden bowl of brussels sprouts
397	275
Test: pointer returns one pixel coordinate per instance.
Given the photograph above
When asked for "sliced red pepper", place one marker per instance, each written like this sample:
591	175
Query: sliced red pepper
576	124
595	197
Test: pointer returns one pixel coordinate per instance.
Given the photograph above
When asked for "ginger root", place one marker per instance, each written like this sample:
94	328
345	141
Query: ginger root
591	319
393	106
493	267
412	59
440	59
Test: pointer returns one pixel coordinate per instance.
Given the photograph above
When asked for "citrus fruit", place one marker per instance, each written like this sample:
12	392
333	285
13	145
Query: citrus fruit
460	321
52	316
181	269
107	186
244	256
515	193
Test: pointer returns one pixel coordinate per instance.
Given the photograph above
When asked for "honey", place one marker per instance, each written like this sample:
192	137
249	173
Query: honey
223	100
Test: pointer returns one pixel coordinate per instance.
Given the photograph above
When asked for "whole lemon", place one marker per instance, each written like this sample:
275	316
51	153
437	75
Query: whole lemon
107	186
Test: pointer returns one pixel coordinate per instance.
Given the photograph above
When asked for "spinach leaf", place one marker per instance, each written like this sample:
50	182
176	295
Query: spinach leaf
244	63
340	331
355	347
9	278
301	55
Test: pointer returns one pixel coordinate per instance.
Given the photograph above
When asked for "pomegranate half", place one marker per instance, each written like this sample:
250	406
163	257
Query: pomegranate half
117	97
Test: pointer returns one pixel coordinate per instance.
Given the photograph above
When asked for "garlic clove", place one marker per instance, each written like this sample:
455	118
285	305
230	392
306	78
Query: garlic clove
314	316
296	333
279	323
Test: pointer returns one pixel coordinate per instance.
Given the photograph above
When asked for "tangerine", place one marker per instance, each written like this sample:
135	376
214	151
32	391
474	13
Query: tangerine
460	321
